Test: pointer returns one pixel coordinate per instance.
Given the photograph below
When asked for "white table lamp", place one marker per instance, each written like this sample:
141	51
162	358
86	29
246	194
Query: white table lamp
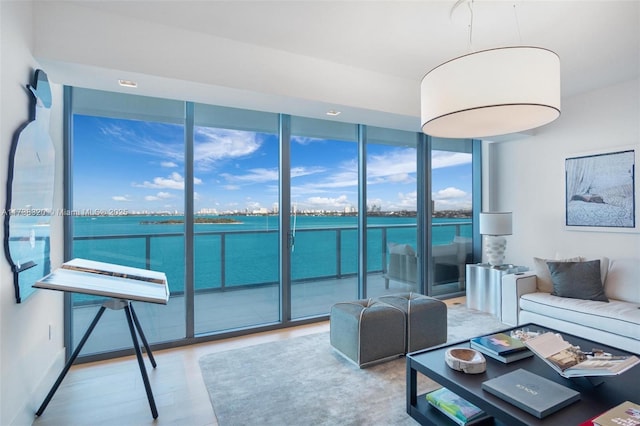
493	225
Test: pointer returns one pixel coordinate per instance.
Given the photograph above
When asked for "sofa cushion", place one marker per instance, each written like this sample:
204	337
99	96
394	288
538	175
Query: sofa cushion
622	280
578	280
616	317
542	272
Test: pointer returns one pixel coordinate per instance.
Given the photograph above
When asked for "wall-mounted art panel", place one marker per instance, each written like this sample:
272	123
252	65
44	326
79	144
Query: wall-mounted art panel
600	191
30	184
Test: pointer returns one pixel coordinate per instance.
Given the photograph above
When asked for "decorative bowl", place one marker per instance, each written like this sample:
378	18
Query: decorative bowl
466	360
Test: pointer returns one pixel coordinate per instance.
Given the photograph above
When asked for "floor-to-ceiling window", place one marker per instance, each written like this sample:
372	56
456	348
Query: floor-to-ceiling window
391	195
236	210
324	199
452	207
128	197
254	216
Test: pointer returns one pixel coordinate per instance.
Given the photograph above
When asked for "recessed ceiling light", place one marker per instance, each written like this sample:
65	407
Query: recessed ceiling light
127	83
333	112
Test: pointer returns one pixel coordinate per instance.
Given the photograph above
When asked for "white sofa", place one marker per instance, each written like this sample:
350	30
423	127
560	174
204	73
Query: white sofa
525	299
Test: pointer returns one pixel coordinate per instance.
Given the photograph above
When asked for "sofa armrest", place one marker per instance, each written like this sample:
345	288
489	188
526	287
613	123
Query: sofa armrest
514	286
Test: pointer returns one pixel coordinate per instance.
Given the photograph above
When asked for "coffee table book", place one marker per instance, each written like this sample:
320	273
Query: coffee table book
625	414
108	280
507	358
456	408
563	358
532	393
499	344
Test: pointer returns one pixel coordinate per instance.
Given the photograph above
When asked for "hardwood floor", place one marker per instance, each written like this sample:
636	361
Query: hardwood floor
112	392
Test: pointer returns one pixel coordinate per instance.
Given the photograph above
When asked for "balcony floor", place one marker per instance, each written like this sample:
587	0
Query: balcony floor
222	311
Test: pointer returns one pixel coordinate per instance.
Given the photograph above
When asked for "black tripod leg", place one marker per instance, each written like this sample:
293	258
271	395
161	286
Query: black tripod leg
67	366
143	370
144	339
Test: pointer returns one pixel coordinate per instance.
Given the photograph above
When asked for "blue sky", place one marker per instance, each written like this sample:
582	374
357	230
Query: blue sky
139	166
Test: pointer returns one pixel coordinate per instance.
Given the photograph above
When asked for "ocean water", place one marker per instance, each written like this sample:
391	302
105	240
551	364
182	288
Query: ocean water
246	253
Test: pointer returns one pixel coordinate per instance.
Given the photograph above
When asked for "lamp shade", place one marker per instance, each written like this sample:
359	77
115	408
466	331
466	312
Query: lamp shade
491	92
495	223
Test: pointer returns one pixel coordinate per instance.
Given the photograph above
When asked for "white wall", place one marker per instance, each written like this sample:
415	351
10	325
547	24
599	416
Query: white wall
29	361
527	176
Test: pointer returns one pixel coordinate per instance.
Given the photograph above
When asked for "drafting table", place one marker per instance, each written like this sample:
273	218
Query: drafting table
122	285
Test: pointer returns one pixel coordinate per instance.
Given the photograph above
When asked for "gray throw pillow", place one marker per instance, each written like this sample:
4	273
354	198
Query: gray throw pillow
542	271
577	280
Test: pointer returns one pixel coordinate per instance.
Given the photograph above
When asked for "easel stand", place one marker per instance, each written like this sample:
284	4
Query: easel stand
134	324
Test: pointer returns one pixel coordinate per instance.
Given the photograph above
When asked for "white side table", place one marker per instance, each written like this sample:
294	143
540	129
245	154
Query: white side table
484	286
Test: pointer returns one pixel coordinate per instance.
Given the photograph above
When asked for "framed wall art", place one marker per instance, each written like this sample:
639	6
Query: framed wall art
601	191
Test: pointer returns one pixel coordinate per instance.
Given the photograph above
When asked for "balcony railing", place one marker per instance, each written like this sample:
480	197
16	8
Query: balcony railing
235	259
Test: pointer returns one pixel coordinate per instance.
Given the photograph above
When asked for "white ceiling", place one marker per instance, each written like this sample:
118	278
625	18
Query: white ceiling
365	58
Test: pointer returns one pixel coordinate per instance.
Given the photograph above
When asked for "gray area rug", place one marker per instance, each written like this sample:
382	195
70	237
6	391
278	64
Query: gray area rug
303	381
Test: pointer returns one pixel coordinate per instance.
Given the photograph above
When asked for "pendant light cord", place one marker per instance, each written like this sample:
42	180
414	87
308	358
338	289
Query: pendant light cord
515	13
470	5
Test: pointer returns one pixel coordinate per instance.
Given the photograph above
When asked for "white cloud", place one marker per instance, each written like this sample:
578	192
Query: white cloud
306	171
170	149
440	159
173	181
396	166
213	145
253	176
120	198
325	203
449	193
407	201
304	140
159	196
452	199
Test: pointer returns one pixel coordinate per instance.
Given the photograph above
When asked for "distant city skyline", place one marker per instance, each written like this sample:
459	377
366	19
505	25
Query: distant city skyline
139	166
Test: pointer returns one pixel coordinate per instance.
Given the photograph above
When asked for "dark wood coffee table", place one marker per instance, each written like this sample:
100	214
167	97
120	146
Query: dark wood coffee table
595	398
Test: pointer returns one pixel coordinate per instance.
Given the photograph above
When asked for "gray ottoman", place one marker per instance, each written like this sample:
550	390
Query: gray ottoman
367	332
426	319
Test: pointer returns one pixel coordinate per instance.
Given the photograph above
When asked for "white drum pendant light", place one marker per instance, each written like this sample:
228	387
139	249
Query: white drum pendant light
491	92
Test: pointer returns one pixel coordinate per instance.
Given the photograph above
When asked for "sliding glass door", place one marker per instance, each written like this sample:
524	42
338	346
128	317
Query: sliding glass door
452	205
391	193
324	196
236	218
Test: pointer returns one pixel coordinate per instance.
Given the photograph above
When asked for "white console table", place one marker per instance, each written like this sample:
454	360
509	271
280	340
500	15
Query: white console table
484	286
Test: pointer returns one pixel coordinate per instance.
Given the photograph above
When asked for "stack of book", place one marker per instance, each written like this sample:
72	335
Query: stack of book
456	408
501	346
